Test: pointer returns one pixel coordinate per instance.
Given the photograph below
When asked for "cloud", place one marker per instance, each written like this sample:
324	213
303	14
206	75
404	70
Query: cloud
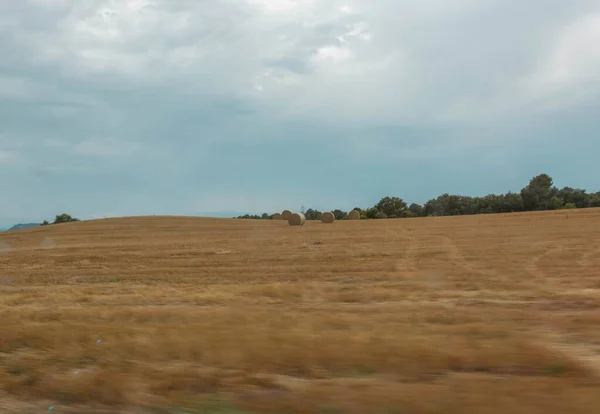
575	56
434	63
107	148
572	66
7	156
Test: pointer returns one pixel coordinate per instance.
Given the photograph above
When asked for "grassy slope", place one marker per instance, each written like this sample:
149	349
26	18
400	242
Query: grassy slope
492	314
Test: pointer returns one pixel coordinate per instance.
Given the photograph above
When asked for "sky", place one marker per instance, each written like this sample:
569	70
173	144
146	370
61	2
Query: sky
204	107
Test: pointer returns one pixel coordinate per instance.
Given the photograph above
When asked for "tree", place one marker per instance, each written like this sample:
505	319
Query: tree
263	216
537	193
312	214
594	200
339	214
45	223
574	196
416	210
371	213
392	207
64	218
555	203
380	215
512	202
449	205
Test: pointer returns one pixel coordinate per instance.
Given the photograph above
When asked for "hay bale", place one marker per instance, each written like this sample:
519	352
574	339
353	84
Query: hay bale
277	216
286	214
327	217
354	215
297	219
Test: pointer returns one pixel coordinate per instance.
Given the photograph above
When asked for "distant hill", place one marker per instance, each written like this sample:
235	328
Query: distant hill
22	226
220	214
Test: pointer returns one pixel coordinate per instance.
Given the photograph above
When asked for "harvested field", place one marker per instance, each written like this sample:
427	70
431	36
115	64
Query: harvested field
485	314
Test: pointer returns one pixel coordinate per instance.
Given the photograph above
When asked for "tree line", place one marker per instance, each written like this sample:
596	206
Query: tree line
538	195
60	218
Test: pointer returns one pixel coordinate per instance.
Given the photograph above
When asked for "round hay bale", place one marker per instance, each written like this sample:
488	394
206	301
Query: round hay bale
354	215
328	217
277	216
286	214
297	219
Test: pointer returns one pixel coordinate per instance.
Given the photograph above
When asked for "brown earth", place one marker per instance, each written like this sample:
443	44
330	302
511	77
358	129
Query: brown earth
480	314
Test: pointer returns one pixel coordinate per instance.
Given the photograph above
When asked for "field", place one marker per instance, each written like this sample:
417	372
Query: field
482	314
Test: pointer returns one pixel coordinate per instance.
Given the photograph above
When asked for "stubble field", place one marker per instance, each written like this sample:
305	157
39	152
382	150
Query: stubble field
486	314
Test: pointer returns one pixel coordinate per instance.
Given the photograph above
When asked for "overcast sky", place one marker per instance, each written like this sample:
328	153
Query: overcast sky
134	107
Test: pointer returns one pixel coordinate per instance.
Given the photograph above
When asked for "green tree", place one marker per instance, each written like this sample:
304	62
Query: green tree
574	196
371	213
312	214
555	203
450	205
512	202
339	214
416	210
64	218
380	215
537	193
392	207
594	200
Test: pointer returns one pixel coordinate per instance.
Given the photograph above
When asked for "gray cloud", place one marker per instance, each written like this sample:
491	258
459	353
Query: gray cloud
389	61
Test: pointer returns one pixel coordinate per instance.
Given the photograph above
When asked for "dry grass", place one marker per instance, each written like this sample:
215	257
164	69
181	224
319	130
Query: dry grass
491	314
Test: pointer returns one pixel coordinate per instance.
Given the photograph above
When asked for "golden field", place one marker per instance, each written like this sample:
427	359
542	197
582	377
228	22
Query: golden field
480	314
